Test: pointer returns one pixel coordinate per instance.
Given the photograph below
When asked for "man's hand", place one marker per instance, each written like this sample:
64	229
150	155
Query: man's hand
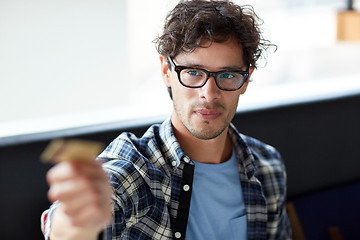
84	193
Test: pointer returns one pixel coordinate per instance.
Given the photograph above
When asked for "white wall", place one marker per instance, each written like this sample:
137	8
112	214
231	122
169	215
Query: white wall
61	57
70	63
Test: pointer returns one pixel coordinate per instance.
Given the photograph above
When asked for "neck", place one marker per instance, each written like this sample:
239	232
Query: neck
211	151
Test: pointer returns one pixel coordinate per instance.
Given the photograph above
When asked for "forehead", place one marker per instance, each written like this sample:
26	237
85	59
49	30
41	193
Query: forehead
215	55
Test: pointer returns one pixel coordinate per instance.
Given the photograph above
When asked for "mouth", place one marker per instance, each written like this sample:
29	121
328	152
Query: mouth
207	114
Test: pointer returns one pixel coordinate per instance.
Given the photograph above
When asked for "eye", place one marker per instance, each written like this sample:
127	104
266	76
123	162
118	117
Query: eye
227	75
194	72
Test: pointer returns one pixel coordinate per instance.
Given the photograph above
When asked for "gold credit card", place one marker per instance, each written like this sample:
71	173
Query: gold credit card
71	150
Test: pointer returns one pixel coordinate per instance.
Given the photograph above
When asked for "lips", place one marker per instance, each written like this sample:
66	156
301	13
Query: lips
208	114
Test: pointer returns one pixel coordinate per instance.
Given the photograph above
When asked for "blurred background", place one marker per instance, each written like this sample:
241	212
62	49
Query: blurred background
89	69
75	63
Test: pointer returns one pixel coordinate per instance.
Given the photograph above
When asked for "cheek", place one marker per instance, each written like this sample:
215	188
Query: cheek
180	93
233	103
180	98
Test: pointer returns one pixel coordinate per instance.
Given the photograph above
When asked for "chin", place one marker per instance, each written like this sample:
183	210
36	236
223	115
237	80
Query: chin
205	133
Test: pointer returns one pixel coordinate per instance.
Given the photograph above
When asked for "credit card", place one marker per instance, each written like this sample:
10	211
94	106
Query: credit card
60	150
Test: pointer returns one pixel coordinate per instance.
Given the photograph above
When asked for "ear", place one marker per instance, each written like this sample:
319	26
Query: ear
165	71
244	87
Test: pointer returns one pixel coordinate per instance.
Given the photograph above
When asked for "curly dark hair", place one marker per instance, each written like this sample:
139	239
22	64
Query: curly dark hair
192	22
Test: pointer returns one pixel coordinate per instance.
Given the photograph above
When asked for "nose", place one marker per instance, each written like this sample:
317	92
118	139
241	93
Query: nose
210	90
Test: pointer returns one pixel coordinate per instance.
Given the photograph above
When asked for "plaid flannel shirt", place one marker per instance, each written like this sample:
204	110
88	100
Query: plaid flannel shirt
148	175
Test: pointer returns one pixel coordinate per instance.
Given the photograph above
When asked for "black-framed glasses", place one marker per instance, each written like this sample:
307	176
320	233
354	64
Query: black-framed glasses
194	77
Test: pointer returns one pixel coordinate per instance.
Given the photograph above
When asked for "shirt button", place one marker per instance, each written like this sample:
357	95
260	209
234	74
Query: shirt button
186	160
186	187
178	235
173	163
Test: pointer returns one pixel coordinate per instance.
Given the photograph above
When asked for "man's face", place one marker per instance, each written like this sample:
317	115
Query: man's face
207	111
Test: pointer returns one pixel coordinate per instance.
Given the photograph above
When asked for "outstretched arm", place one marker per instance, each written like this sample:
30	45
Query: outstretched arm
84	194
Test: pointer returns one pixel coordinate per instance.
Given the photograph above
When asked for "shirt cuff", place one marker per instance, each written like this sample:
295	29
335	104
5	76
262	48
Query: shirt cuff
46	218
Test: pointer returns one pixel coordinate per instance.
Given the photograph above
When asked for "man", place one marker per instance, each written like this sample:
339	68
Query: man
194	176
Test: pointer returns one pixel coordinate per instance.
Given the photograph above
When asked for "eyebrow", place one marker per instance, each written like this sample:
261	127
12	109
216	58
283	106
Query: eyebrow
226	68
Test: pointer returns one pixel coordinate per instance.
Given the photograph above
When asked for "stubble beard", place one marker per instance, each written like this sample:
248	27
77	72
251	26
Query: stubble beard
204	135
206	132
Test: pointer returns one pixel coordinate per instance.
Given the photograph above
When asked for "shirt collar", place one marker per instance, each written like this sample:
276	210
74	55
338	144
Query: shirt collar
175	154
245	157
172	147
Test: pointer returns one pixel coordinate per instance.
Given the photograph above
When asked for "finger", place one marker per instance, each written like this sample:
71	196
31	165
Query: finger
61	172
92	215
91	169
91	203
79	203
68	170
67	189
79	187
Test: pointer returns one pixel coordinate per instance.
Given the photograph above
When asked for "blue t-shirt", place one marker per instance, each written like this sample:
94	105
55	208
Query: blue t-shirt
217	209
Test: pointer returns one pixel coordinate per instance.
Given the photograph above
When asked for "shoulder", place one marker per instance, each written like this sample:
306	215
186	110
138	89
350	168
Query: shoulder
261	150
270	167
126	158
128	146
258	157
131	159
129	165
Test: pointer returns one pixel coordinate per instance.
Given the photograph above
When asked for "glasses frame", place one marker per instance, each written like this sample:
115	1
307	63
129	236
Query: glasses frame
179	68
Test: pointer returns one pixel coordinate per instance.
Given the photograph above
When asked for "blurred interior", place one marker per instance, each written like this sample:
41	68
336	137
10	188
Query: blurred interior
89	69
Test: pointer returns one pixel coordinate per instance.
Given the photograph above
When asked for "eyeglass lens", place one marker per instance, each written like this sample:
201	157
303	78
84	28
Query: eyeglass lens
198	77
